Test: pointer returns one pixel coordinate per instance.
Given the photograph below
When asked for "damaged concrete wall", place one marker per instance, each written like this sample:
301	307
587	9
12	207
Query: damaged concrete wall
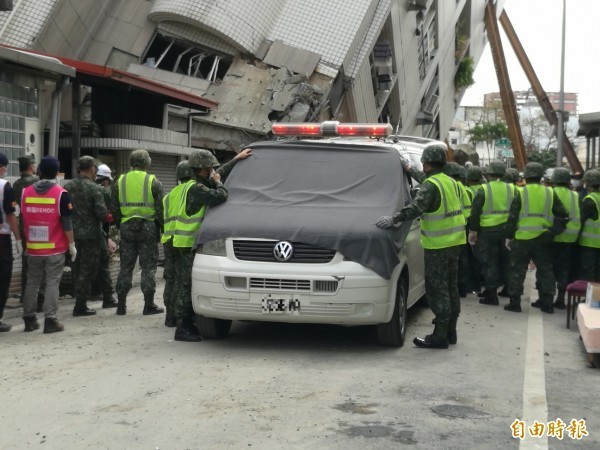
251	97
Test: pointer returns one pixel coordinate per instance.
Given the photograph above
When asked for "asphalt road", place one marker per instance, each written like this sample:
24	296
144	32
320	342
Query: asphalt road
122	382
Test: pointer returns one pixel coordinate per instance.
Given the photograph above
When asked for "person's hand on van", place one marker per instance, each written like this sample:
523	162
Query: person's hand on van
385	222
243	154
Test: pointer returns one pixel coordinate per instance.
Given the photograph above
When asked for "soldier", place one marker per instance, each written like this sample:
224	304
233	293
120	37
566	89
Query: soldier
442	233
589	241
565	241
8	224
28	177
89	214
205	190
488	227
531	229
474	179
49	235
103	283
512	177
172	203
137	199
453	170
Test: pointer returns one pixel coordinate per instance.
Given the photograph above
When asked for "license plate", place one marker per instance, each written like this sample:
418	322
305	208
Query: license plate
272	305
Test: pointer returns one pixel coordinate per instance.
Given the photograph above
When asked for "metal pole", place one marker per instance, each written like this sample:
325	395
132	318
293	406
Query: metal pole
561	101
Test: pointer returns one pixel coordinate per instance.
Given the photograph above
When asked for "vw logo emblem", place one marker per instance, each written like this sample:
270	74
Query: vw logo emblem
283	251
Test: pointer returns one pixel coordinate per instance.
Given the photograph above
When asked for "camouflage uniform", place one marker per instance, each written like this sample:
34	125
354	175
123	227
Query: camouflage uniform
89	213
139	238
204	193
103	282
589	257
441	265
538	249
25	180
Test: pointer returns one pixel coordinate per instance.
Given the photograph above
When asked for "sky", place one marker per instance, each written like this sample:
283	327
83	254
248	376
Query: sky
538	24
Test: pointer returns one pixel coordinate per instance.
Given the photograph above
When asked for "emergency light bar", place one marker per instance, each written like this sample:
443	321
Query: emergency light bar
332	128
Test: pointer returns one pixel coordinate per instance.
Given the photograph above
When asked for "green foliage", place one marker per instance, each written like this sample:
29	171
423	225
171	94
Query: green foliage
546	157
488	132
464	73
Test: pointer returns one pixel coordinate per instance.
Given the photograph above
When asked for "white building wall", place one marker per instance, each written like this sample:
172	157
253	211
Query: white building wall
363	98
21	26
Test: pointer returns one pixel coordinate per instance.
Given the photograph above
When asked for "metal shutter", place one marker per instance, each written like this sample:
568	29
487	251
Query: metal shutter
163	166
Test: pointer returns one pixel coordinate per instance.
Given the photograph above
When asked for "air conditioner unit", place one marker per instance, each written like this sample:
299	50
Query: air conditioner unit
33	144
431	104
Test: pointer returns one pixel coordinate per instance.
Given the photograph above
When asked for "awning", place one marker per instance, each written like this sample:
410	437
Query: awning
89	73
51	67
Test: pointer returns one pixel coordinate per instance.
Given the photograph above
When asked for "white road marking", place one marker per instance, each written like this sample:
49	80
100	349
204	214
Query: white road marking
535	406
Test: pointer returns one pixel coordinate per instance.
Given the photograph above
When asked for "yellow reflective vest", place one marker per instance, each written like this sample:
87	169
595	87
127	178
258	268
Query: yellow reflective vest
498	198
445	227
590	234
135	196
535	216
171	205
187	227
466	199
570	199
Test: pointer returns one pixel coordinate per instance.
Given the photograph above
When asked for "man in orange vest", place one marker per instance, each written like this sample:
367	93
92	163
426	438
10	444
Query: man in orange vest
46	211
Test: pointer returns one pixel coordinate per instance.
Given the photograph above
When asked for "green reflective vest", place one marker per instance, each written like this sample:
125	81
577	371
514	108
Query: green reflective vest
590	234
498	198
187	227
445	227
135	196
570	199
474	188
171	205
466	199
535	216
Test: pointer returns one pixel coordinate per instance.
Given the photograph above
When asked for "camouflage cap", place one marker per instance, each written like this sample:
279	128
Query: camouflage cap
533	170
201	158
86	162
496	167
434	153
184	170
452	169
474	173
140	158
463	172
560	176
27	159
592	177
511	176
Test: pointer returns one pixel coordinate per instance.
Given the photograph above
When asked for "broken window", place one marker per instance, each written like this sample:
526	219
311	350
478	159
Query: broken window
179	56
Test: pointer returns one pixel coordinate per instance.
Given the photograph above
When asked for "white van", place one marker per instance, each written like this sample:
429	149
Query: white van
296	240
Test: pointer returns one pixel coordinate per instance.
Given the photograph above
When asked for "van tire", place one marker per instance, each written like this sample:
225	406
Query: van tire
210	328
393	333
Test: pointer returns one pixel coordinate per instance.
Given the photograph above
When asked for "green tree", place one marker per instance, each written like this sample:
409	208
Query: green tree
546	157
488	133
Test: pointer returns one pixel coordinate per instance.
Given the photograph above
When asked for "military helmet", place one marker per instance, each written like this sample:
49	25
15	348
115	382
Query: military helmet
497	168
86	162
184	170
201	158
560	176
452	169
592	177
474	173
511	176
140	158
434	153
462	172
533	170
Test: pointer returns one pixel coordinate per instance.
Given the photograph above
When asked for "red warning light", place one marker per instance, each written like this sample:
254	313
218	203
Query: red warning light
361	129
296	129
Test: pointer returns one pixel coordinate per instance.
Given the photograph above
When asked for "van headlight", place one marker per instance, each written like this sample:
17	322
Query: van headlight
214	248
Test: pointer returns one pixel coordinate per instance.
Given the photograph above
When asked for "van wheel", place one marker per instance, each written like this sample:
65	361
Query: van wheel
393	333
210	328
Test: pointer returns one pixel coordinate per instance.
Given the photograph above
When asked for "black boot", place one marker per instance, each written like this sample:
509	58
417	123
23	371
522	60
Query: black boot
81	309
31	324
170	320
439	338
52	325
483	293
546	303
503	292
186	331
491	298
150	307
452	338
110	302
121	306
514	305
559	303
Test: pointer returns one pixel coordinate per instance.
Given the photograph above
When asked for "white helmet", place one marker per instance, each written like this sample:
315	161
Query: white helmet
104	171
